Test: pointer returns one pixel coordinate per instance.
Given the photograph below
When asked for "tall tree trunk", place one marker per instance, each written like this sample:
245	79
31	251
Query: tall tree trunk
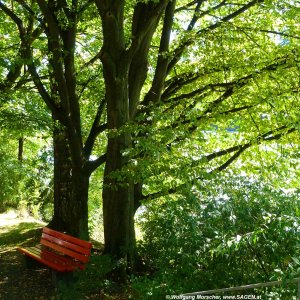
118	208
125	71
118	190
77	218
62	179
70	190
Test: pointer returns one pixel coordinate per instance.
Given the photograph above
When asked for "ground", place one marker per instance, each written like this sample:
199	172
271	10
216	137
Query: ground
16	281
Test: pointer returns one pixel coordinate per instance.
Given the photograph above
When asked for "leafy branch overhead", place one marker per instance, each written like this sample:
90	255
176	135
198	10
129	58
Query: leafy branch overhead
161	93
187	75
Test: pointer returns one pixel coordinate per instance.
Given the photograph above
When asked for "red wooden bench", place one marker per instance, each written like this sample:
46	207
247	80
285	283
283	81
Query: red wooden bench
59	251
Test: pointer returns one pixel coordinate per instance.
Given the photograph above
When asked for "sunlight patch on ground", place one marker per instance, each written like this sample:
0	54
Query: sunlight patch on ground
13	218
10	219
16	231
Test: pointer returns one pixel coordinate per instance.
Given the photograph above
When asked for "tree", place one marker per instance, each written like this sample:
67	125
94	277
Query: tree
59	93
163	71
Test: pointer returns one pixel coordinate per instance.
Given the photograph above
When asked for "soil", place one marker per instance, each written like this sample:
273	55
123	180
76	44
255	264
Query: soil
16	280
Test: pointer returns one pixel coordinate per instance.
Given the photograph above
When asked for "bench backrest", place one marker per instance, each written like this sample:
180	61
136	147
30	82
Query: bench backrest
66	244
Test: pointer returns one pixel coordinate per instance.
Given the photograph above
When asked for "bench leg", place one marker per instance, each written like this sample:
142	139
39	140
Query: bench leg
58	278
31	263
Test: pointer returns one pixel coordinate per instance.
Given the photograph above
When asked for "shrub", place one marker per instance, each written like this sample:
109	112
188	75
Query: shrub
239	232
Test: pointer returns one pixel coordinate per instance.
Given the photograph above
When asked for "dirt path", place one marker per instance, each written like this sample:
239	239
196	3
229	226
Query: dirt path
16	281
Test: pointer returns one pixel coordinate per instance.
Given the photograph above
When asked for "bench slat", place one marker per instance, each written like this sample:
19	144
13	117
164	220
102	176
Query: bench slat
68	245
66	251
54	258
68	238
65	260
37	256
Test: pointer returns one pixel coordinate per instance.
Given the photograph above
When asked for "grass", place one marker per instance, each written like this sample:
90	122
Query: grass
16	230
22	234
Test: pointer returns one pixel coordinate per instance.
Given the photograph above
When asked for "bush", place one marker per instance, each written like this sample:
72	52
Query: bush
89	282
240	232
23	182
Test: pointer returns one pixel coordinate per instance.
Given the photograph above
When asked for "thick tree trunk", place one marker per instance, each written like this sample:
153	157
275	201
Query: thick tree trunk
70	190
118	189
62	179
125	71
118	208
77	218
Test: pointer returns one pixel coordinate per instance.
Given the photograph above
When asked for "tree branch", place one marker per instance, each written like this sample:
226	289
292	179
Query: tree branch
145	19
231	16
25	52
268	31
96	129
14	17
198	15
232	158
178	52
155	91
41	88
91	166
57	59
187	6
239	149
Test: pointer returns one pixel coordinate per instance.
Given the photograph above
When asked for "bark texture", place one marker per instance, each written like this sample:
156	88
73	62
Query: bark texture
70	190
125	71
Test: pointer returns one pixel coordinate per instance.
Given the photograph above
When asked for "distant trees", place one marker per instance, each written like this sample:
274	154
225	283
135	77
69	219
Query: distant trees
138	85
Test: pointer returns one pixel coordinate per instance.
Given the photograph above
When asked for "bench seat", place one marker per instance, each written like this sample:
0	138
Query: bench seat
59	251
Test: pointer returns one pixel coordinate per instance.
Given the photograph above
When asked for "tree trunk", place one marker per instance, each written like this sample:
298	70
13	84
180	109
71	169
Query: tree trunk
70	190
118	209
20	149
118	189
62	179
77	218
125	71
